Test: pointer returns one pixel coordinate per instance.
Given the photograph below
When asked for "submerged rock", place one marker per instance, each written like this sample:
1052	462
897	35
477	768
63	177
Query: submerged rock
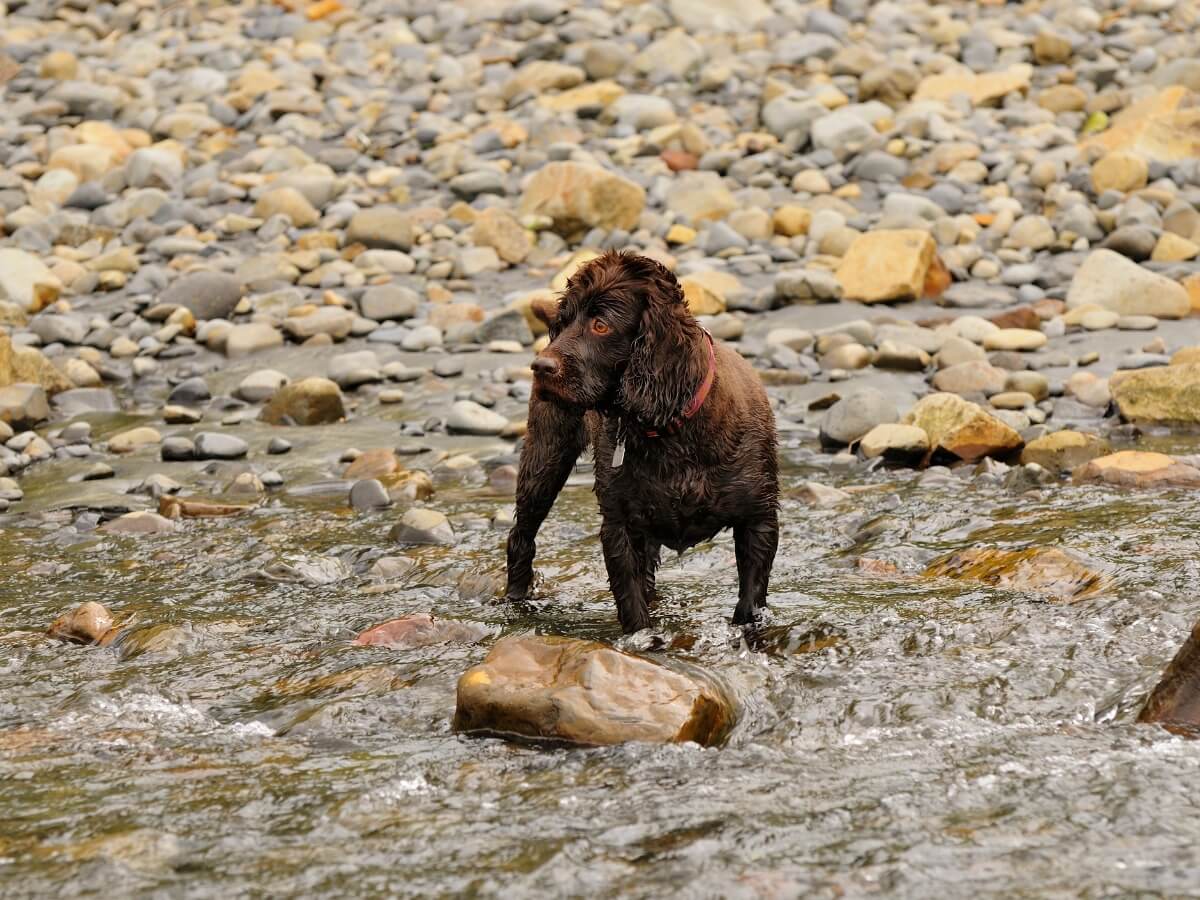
1043	570
585	692
420	630
89	623
311	401
1135	468
423	526
138	523
191	508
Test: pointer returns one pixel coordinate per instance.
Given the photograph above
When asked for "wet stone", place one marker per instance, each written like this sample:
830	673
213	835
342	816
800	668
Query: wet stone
583	692
214	445
368	495
423	526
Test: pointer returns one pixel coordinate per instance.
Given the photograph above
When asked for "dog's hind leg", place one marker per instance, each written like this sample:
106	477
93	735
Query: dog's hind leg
553	441
755	544
623	558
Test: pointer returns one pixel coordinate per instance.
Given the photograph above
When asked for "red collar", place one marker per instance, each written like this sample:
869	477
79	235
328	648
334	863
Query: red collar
701	394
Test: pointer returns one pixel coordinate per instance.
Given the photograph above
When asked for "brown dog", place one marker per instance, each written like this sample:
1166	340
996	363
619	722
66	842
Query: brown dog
682	432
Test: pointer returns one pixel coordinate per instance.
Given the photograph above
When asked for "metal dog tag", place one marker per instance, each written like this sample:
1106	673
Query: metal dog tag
619	454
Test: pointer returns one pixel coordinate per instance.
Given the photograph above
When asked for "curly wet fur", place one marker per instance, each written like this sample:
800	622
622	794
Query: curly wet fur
718	470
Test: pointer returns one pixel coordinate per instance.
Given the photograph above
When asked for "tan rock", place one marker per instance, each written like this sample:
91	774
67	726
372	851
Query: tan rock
1042	570
90	623
1159	127
311	401
497	229
1191	284
1119	171
584	692
524	305
378	462
577	196
287	201
886	265
444	315
1064	451
680	234
1165	394
700	300
1111	281
192	508
1186	356
700	196
962	429
540	76
905	444
138	523
983	89
599	94
134	439
1050	48
1015	339
791	221
25	280
26	365
1173	248
1135	468
87	162
420	630
1062	98
59	66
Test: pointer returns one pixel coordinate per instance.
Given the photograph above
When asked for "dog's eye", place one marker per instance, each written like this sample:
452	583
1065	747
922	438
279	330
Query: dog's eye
599	326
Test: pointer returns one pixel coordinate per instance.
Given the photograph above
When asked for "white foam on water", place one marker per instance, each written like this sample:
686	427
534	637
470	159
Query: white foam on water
138	709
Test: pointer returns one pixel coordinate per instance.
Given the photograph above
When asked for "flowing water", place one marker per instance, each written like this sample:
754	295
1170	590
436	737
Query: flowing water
898	735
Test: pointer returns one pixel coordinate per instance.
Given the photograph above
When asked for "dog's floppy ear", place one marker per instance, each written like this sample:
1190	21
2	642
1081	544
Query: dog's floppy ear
546	309
662	373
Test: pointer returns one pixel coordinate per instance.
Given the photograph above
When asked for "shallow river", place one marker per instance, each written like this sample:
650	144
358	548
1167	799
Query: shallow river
898	735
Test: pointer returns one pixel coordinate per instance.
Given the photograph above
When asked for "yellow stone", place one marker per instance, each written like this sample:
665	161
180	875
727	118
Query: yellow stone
1186	356
1173	248
1192	285
599	93
1062	98
983	89
59	65
680	234
700	300
1119	171
791	220
87	162
1159	127
886	265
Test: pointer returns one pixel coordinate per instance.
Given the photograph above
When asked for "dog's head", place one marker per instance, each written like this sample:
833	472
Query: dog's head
621	338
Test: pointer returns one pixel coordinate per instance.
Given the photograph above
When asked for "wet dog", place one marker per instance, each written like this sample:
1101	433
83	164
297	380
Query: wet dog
682	432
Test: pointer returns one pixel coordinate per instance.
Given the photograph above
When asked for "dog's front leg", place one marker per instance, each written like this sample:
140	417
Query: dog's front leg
553	441
755	544
626	575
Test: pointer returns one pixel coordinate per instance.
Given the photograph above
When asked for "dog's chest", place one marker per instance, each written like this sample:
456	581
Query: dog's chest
672	497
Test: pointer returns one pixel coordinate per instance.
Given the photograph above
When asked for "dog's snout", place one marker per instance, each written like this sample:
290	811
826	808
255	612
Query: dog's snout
544	365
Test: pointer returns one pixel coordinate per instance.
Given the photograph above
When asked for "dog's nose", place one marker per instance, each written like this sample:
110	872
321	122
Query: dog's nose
544	365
